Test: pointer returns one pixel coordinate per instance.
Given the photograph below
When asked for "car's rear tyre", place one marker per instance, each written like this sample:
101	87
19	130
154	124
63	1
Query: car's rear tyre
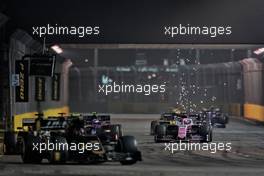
224	126
128	144
10	143
226	119
210	136
58	155
160	132
29	154
117	129
152	127
206	131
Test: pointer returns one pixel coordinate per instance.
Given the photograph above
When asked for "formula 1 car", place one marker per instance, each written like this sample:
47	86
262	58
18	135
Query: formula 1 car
101	125
166	118
189	128
216	116
62	139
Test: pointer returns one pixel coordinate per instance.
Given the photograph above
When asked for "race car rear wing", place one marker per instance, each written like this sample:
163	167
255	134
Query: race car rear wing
45	124
54	124
88	118
169	116
28	122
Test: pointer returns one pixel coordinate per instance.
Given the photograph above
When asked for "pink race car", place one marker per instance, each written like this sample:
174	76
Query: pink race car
188	128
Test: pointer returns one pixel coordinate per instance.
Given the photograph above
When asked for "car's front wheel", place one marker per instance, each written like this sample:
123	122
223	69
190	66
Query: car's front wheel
29	153
128	145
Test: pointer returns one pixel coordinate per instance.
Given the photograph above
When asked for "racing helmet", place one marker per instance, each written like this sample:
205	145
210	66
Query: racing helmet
96	123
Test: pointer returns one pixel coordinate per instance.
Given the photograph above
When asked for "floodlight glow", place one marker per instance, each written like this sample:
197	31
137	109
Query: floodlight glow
259	51
57	49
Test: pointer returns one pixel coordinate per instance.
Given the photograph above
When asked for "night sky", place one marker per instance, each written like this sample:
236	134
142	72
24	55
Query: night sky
141	21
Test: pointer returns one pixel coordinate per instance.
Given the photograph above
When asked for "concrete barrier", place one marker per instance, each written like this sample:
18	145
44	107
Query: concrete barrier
254	112
235	109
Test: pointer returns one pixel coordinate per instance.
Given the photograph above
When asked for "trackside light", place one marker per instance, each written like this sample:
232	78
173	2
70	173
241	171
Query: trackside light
57	49
259	51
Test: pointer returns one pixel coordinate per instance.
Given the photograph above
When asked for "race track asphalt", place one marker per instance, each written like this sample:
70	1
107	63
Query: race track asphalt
246	156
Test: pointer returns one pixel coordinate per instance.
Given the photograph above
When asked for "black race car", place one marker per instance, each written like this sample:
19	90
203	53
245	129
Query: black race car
216	116
101	125
166	118
75	139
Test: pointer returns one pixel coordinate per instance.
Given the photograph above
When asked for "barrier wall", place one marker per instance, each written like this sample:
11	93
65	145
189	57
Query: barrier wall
253	89
254	112
236	109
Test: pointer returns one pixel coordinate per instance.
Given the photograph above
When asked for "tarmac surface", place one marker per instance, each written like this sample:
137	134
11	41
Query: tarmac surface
246	156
